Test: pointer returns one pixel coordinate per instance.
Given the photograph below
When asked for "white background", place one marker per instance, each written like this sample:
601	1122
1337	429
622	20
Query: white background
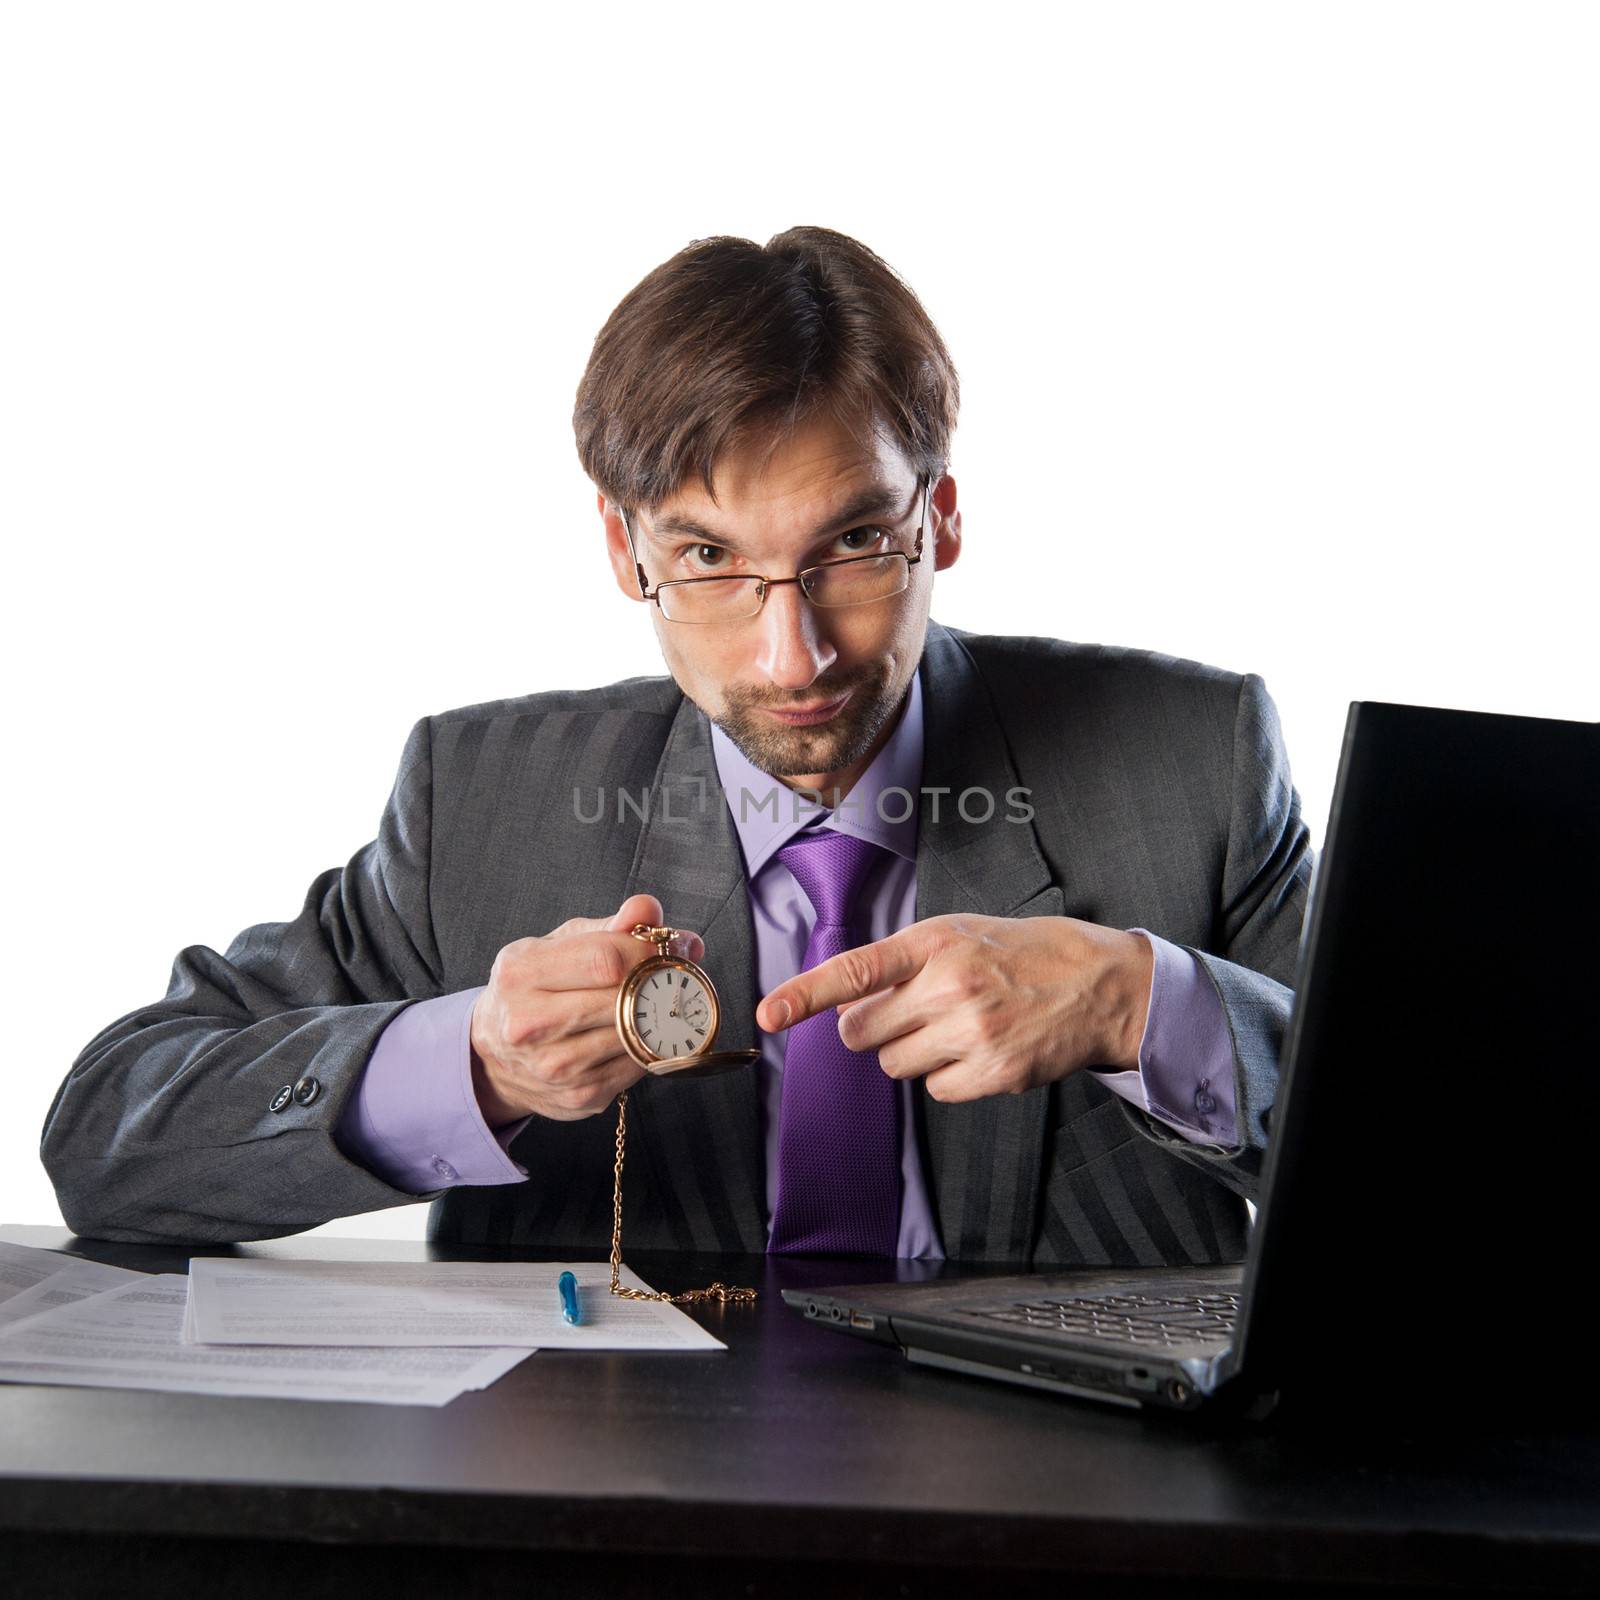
1277	328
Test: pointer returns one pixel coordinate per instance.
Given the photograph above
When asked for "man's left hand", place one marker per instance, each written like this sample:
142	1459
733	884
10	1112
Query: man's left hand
983	1005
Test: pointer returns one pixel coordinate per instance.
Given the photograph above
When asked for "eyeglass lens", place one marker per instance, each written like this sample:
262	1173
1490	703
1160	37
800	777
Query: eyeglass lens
840	583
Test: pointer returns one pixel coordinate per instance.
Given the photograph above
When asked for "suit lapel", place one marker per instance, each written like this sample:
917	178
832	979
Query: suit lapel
702	1138
983	1157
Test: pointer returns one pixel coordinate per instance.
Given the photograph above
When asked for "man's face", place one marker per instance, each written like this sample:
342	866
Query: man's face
781	511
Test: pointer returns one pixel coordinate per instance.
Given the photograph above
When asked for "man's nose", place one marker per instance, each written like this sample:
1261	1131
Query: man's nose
794	648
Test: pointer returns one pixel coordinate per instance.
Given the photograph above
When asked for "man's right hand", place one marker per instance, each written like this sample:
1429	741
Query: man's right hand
544	1033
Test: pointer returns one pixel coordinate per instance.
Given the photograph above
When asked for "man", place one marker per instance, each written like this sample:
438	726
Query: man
1020	915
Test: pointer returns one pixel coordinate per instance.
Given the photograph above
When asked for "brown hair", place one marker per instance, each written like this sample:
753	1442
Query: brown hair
730	343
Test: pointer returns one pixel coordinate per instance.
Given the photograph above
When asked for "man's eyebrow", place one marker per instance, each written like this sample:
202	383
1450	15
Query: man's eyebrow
875	500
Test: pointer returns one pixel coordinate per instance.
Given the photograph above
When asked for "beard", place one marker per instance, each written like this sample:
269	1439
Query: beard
829	746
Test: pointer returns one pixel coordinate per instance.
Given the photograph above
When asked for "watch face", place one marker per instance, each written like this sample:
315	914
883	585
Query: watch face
672	1011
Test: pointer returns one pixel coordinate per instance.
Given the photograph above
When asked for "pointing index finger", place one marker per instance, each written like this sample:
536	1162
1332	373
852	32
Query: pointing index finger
851	975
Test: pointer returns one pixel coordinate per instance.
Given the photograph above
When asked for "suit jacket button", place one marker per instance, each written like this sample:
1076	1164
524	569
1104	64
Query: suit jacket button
283	1097
307	1090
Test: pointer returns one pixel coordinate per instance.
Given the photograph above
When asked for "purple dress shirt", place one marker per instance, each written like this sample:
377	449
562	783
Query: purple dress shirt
414	1117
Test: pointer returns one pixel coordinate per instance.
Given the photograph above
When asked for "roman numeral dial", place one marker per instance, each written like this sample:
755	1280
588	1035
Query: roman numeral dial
672	1013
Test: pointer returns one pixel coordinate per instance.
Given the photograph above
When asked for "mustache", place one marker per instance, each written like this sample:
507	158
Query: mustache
817	693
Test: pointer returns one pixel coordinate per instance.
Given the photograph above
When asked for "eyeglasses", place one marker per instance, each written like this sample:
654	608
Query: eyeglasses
852	581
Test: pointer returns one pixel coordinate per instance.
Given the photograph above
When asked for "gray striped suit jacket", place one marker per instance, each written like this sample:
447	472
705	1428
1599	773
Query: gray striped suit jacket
1162	799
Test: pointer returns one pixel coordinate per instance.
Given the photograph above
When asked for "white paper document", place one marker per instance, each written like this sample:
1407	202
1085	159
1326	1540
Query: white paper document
386	1303
70	1282
21	1267
130	1338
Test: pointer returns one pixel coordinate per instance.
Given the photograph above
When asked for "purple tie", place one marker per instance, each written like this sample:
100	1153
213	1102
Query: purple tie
838	1119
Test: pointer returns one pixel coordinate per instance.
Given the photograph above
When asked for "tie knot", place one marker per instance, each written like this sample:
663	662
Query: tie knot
830	867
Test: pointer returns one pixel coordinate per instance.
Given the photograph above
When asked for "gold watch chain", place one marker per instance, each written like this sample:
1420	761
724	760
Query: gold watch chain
722	1293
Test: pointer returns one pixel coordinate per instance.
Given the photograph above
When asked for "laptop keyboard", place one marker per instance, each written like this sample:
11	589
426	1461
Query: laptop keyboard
1129	1318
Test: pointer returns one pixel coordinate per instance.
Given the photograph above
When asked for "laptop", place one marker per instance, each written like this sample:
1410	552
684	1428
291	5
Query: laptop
1426	1232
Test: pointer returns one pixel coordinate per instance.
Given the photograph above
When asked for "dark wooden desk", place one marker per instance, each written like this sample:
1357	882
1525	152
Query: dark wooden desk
798	1462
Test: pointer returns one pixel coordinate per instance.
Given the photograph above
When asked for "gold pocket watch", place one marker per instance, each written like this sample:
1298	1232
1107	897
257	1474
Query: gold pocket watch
667	1018
668	1014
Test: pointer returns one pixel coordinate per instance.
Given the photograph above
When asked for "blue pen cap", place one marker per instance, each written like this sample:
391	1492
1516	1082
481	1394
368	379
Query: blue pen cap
568	1286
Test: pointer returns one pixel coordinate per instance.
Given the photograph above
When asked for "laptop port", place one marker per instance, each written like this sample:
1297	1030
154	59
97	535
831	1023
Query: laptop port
859	1320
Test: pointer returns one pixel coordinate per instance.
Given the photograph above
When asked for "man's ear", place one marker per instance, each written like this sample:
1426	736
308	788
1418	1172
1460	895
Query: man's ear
617	548
945	522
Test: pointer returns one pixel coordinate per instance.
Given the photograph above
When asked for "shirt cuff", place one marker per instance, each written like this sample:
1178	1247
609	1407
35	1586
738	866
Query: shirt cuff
1185	1074
414	1118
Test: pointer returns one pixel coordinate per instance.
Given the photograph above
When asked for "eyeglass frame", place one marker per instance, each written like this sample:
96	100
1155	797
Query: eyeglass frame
767	584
